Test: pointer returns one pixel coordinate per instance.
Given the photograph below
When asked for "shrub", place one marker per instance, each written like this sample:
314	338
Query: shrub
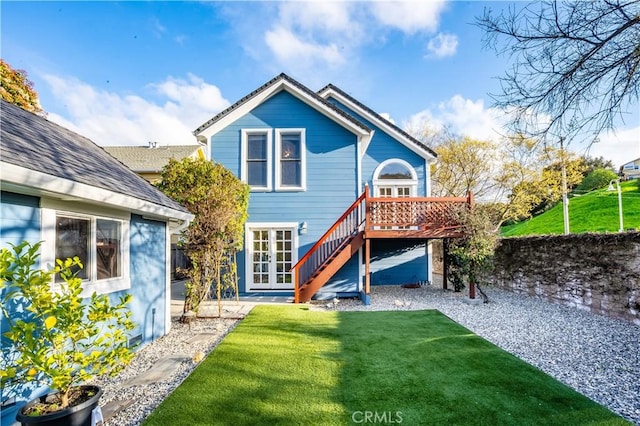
60	339
597	179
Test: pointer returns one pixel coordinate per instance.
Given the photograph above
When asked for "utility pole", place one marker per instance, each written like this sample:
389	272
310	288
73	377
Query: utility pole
565	199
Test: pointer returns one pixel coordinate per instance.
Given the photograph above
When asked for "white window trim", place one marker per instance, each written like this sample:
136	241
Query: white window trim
248	260
303	160
91	285
243	153
411	183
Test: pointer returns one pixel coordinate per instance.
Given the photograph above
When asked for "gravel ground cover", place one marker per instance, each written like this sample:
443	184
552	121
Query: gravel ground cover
145	398
598	356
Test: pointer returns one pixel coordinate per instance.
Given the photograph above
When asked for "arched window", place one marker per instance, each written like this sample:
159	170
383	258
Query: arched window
395	178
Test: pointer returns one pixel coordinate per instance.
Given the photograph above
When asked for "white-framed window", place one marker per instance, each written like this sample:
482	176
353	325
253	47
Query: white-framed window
256	158
290	160
101	243
395	178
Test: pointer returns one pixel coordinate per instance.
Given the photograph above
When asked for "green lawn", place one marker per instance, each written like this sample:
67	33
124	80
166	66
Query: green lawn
596	211
288	365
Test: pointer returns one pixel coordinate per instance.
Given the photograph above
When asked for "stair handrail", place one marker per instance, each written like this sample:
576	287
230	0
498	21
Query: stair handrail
325	237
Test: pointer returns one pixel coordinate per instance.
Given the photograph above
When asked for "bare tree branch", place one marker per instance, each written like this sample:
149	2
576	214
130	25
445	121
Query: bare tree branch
576	65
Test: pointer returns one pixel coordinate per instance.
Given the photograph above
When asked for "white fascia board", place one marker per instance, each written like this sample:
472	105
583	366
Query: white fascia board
363	143
382	125
258	99
30	182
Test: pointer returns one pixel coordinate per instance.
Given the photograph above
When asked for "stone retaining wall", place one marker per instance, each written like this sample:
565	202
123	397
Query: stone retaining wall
598	272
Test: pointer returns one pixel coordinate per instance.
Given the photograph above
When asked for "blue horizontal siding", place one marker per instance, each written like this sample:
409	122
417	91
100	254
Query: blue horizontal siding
398	262
384	147
148	260
330	168
19	219
343	283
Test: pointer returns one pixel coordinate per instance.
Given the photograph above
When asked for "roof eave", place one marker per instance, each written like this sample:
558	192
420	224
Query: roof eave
30	182
258	96
390	128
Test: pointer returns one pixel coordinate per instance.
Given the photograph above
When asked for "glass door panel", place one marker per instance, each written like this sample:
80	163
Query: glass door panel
271	259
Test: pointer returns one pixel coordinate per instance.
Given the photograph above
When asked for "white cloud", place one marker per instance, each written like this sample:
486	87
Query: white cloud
316	37
462	116
313	35
320	17
113	119
442	45
387	117
620	147
409	16
290	48
472	118
157	28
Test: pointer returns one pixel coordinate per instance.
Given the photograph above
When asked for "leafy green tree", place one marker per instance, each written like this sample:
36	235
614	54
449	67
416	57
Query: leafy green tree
513	179
593	163
17	89
219	202
466	165
471	257
597	179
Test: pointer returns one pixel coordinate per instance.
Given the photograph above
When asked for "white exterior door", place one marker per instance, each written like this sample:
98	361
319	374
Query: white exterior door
394	191
271	252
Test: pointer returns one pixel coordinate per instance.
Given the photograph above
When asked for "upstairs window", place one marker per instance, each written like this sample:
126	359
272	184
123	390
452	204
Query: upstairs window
290	167
395	170
256	158
395	178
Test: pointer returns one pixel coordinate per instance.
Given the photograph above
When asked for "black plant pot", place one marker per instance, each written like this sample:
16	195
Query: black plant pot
78	415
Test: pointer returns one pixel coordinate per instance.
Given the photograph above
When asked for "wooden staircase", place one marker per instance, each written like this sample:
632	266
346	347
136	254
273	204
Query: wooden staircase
343	239
331	266
368	218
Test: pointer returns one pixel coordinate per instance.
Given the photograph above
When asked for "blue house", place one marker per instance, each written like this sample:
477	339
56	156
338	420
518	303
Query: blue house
339	195
60	188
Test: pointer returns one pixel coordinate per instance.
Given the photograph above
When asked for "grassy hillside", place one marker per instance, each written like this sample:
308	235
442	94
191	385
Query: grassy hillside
596	211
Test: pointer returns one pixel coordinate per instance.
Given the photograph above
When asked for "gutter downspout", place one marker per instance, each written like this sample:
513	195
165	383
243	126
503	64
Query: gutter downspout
361	149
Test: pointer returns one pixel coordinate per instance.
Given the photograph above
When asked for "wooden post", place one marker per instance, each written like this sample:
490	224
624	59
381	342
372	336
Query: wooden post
367	215
367	275
297	286
445	263
472	285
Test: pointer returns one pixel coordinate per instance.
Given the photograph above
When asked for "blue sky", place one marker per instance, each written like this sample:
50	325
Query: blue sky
125	73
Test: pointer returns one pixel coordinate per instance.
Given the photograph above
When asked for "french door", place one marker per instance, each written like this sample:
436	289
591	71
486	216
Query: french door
271	252
394	191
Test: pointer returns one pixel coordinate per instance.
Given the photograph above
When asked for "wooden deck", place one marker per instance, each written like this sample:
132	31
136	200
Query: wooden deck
371	218
414	217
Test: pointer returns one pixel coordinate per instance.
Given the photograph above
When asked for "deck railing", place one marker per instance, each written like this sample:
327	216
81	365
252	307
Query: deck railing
415	213
426	216
340	233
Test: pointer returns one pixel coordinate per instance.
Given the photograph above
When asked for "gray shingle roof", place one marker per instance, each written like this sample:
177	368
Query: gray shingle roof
31	141
145	159
379	117
270	83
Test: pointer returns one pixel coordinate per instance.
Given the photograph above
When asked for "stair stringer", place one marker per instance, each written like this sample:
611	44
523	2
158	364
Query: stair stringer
328	270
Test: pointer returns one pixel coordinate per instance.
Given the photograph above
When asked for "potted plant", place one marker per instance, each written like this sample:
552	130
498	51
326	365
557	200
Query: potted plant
58	338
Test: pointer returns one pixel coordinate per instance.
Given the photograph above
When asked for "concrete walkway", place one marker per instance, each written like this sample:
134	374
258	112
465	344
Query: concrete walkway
167	365
230	308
